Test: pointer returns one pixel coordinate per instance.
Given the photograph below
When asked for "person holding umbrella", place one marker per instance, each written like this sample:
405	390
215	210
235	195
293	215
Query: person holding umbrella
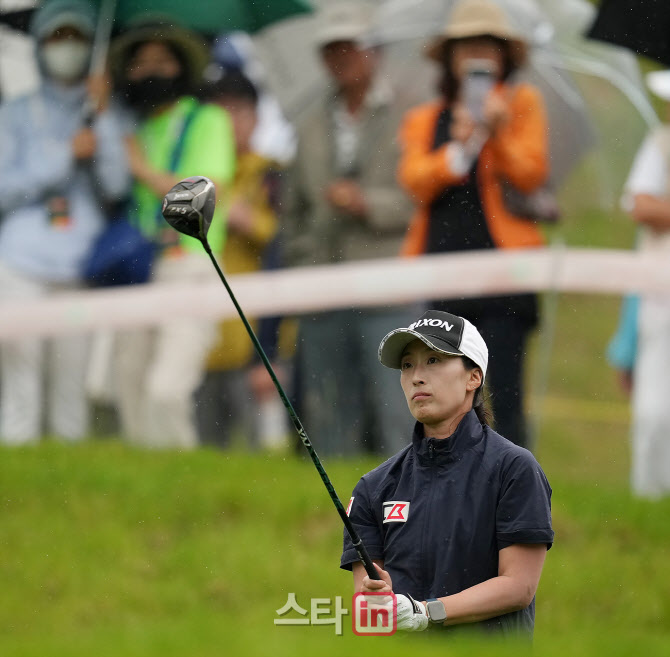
61	162
463	158
157	67
458	523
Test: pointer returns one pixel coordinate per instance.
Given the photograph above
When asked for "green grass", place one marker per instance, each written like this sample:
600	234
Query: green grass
110	551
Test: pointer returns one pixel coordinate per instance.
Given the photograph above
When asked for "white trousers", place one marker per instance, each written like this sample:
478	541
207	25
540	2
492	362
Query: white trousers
159	369
42	381
650	476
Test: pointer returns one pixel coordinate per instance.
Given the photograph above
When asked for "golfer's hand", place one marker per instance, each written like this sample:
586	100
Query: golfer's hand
383	585
411	615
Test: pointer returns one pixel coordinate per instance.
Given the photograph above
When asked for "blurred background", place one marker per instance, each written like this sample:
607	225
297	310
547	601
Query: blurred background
111	545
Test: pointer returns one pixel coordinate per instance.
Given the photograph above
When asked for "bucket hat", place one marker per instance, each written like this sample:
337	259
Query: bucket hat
474	18
189	44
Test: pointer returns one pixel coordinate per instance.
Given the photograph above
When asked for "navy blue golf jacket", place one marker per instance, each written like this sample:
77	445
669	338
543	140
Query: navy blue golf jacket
439	511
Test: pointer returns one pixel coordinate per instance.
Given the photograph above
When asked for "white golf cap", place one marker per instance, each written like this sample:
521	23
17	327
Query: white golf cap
441	331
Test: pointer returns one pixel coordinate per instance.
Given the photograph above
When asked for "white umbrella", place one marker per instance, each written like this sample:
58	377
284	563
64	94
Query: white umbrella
590	89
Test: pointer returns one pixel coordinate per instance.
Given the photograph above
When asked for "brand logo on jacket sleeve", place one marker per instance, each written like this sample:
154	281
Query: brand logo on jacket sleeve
396	511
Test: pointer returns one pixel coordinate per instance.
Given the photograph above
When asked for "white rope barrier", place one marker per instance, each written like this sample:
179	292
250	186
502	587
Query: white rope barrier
359	284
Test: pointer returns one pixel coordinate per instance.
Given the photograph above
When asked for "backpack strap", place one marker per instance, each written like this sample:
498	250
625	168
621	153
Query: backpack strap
178	151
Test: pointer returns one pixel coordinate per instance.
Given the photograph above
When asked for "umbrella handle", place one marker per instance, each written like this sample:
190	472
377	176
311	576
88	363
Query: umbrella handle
103	33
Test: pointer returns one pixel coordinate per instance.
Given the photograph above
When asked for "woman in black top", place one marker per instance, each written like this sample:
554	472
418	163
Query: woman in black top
465	156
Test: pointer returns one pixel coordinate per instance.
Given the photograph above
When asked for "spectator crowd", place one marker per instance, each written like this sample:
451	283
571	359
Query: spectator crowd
370	169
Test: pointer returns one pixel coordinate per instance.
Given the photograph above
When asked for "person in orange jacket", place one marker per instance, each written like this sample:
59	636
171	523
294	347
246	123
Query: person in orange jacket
486	136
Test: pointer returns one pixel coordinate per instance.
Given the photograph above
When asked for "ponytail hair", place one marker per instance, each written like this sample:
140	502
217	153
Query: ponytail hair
481	404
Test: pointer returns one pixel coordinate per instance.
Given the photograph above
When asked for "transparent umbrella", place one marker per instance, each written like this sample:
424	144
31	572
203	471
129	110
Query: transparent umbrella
591	89
612	89
585	84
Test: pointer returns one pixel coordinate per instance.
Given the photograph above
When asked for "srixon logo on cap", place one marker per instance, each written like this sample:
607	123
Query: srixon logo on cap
441	325
436	323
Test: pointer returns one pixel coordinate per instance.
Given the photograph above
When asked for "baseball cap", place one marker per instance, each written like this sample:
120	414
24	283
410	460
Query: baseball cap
344	21
441	331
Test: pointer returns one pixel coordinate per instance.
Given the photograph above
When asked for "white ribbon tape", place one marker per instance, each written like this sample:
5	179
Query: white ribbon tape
358	284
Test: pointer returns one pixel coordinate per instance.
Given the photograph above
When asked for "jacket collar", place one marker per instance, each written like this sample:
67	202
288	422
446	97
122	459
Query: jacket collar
435	451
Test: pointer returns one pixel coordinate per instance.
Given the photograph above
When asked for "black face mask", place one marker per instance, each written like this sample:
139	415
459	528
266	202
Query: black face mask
148	93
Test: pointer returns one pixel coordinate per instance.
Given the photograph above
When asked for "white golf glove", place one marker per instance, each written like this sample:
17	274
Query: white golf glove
411	615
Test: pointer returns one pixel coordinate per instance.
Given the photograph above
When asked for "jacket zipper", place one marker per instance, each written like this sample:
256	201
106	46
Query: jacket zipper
427	577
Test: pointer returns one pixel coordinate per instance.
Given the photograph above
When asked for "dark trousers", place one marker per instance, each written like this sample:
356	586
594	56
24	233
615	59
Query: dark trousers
506	338
349	402
505	323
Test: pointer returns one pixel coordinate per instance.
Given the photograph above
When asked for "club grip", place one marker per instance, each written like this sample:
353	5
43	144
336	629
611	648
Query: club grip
365	557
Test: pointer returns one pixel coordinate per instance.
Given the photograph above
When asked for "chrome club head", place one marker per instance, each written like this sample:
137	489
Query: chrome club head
189	206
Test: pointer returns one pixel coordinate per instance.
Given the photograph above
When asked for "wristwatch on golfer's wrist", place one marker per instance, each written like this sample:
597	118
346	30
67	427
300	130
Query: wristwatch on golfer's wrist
436	612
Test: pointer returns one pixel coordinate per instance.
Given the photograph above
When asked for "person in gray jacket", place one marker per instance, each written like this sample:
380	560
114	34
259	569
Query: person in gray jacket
57	175
342	204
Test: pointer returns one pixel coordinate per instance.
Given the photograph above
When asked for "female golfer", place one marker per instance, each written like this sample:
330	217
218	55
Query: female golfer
459	522
472	161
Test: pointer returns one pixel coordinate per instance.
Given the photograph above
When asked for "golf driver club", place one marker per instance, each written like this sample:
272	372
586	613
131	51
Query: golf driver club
188	207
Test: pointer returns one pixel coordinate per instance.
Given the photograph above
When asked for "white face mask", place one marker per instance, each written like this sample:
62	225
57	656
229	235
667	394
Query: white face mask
66	60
